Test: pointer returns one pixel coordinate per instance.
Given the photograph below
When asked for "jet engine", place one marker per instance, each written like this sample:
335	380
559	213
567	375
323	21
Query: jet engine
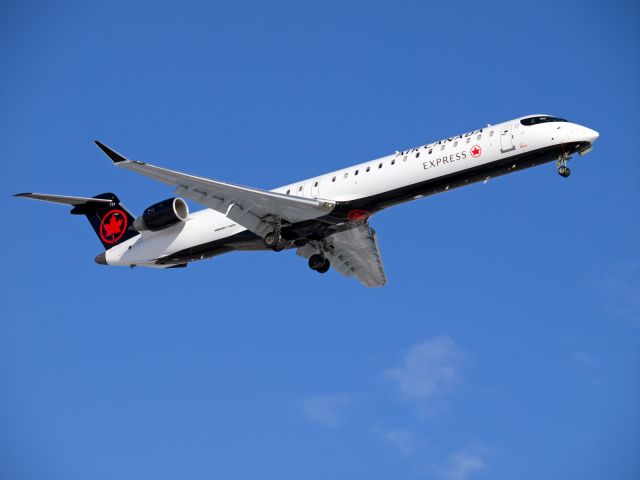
162	215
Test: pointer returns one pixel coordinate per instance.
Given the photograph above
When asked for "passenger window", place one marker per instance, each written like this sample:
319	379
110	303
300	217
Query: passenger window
479	137
491	133
346	174
455	144
300	188
442	147
393	162
368	169
356	172
288	191
468	139
379	165
417	154
430	151
333	179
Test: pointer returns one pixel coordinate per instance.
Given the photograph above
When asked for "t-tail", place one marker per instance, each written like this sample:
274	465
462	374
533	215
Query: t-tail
111	221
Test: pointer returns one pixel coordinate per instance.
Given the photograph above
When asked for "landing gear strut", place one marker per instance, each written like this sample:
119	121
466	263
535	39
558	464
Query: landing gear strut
319	263
563	170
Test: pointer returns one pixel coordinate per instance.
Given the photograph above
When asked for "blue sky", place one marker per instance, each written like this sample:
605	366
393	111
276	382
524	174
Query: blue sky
507	343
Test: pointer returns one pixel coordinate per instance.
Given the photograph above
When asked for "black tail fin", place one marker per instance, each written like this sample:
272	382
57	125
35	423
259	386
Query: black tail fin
111	221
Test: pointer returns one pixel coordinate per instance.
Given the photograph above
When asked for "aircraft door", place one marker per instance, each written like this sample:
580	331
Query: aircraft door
506	139
315	190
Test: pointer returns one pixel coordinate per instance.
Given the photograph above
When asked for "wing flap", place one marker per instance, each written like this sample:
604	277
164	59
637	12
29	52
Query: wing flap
353	253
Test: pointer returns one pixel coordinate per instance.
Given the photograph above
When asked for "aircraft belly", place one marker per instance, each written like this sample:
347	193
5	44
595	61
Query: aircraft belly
447	179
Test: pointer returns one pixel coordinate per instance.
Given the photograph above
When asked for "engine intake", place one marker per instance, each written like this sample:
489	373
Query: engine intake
162	215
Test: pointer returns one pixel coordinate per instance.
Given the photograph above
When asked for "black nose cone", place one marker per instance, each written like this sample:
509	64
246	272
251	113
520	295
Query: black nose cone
101	259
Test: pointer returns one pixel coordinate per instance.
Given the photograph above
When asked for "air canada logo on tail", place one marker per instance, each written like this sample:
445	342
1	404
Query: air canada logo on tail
113	226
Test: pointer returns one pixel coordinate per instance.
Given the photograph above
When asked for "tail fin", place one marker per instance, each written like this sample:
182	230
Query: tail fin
109	218
111	221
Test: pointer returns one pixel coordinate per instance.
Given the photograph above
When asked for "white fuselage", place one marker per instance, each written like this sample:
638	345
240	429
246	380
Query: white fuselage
443	158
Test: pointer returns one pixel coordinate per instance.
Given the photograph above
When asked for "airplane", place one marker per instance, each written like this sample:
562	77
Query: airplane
325	218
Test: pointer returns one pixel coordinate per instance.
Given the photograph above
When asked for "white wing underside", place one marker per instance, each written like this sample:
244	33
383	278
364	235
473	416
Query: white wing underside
353	253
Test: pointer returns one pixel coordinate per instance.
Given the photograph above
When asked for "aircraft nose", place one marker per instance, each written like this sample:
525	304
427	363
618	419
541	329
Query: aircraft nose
591	135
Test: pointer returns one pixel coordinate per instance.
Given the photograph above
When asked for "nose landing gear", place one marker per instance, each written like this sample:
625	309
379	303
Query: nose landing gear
564	171
561	164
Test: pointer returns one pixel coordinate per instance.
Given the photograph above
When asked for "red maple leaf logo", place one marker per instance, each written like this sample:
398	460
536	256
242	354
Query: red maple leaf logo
113	227
476	151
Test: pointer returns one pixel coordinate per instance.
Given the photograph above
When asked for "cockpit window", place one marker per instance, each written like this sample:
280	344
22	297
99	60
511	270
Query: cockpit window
535	120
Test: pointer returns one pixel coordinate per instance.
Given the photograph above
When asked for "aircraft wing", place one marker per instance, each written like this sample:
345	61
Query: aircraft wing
245	205
353	253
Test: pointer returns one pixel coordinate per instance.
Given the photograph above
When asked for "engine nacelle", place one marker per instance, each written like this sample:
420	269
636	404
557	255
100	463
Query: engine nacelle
162	215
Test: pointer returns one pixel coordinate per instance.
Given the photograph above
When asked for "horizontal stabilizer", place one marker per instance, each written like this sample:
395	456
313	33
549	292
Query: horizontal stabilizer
65	199
109	218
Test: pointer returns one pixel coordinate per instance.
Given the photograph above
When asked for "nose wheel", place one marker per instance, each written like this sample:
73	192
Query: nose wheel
561	164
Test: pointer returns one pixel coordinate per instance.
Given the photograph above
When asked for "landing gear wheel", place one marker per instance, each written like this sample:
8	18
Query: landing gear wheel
316	262
274	241
271	239
564	171
325	267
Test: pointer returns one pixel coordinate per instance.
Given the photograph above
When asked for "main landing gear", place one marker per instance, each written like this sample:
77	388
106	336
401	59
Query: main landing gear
274	240
319	263
563	170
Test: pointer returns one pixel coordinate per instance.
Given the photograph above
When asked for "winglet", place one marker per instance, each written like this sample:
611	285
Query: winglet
112	154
